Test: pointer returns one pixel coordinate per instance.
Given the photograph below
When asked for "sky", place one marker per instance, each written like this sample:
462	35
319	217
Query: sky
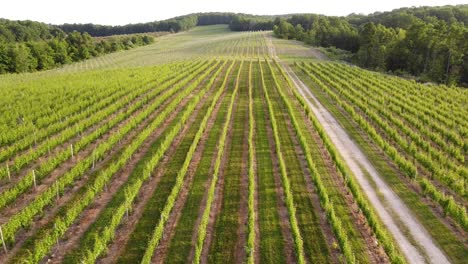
120	12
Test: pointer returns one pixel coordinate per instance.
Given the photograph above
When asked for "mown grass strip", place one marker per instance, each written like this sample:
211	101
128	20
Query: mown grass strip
201	234
227	224
299	244
252	222
271	241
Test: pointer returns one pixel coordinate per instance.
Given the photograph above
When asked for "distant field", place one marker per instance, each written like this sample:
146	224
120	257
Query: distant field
203	148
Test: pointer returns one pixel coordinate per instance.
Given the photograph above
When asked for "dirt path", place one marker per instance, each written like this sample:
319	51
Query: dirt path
374	186
374	250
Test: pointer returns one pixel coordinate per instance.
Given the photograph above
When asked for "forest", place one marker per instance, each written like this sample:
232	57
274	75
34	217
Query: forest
426	42
27	46
237	22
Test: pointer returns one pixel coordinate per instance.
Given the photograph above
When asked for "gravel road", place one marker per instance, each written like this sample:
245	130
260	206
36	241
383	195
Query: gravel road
413	239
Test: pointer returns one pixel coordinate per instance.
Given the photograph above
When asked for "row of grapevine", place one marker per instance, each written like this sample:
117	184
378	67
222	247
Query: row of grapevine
56	98
18	121
69	116
62	222
411	115
457	211
201	234
299	244
53	161
159	228
179	239
24	217
133	186
450	110
431	158
47	166
271	240
442	118
402	106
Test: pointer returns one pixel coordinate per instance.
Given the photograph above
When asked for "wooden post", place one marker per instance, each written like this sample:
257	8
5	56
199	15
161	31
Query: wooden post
58	194
71	150
34	178
94	159
8	171
48	145
55	228
3	240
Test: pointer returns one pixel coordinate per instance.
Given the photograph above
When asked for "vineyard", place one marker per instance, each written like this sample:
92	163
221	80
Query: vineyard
204	148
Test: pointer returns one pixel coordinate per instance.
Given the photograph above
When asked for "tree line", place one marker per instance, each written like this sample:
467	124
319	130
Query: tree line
428	42
238	22
27	46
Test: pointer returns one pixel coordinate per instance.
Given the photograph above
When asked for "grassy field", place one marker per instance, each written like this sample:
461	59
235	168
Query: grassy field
199	148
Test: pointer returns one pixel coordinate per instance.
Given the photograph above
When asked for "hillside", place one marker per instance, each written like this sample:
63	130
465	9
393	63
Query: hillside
217	146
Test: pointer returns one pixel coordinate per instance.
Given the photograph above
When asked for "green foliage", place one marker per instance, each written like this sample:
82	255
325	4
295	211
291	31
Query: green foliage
404	17
237	22
159	228
298	241
374	45
251	237
202	228
318	30
27	46
250	23
20	58
47	237
325	200
426	42
360	107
